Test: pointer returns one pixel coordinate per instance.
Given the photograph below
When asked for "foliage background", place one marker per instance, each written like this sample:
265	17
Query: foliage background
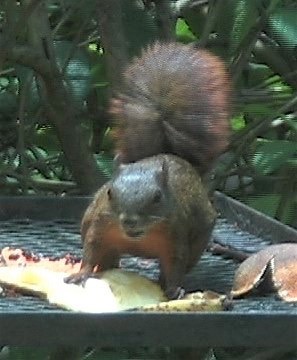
61	60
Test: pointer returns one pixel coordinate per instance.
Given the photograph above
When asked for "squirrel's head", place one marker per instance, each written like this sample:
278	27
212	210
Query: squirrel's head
139	196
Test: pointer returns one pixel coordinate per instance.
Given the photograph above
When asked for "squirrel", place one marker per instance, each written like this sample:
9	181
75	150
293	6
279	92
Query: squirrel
171	123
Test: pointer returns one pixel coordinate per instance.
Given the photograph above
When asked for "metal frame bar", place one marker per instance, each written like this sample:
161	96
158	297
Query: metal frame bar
220	329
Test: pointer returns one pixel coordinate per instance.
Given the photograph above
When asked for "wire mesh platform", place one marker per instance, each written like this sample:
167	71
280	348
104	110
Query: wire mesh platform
50	226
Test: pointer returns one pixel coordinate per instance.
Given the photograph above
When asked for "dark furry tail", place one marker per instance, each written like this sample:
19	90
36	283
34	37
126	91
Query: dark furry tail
175	99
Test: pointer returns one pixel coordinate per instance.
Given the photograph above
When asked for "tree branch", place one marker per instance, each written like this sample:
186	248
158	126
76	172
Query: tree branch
57	101
165	19
112	39
27	56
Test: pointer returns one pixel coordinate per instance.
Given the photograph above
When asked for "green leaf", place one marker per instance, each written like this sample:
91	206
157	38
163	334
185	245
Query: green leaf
183	31
238	18
267	203
105	164
74	62
246	11
271	155
257	109
8	104
282	27
238	123
77	73
257	74
45	137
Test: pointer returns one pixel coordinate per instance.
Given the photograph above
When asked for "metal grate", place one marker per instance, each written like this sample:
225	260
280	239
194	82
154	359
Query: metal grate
50	226
59	237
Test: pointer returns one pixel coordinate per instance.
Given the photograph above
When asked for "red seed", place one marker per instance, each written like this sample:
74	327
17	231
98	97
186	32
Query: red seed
13	257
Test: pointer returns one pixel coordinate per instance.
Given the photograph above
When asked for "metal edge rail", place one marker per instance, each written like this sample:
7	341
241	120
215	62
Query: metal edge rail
254	221
49	207
220	329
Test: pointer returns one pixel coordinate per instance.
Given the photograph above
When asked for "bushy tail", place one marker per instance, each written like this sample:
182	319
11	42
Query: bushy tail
175	99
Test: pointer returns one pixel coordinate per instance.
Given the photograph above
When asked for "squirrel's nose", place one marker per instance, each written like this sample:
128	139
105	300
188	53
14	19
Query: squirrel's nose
129	221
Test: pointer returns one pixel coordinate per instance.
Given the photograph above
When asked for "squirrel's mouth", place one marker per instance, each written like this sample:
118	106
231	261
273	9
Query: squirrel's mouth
134	233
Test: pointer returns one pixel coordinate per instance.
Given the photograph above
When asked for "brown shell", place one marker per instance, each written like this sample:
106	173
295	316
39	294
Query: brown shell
276	265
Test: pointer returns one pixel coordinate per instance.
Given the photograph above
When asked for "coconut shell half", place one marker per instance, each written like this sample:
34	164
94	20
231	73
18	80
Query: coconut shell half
273	269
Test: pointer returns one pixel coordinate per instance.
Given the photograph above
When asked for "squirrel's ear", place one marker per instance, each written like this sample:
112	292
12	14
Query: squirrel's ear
117	164
116	161
162	173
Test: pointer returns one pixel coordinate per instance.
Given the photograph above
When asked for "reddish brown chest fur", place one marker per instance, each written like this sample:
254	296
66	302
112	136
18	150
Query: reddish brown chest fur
156	243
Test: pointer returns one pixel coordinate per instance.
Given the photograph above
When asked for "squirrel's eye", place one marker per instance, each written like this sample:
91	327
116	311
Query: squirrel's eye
157	197
109	194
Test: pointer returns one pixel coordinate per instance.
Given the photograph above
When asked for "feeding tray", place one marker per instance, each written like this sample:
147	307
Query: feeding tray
50	226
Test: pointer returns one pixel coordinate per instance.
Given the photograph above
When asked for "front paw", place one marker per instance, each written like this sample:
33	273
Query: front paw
175	293
79	278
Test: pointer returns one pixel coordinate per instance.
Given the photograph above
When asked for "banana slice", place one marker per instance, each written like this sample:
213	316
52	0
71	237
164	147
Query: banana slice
115	290
198	301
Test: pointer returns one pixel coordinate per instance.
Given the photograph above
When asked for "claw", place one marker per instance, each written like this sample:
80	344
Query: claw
175	293
79	278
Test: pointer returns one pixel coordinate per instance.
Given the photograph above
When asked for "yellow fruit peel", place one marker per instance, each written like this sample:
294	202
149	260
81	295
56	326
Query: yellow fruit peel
195	302
115	290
